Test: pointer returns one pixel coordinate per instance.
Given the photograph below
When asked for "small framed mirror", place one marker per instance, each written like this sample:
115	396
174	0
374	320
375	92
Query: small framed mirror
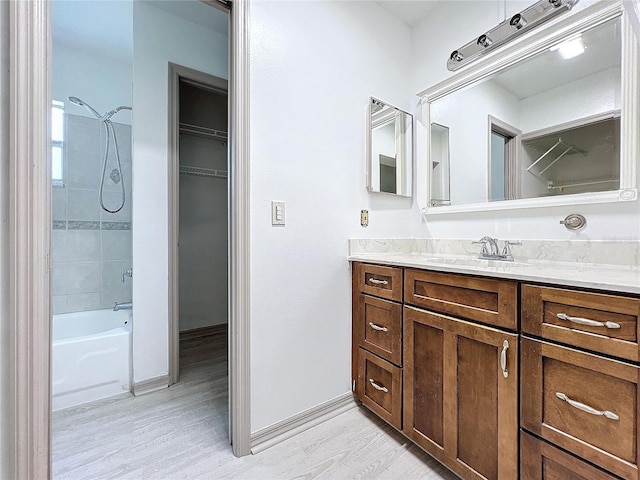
390	155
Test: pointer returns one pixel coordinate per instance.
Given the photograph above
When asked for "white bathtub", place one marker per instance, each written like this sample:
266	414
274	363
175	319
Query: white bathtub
91	356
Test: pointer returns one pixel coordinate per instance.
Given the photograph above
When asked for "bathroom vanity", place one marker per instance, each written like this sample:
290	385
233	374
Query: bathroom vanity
501	371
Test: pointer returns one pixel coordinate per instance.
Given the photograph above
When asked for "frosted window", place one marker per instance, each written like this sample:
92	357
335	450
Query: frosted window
57	142
56	164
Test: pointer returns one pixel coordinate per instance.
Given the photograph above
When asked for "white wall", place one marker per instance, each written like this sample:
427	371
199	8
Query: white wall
572	101
159	38
432	41
313	67
5	368
101	82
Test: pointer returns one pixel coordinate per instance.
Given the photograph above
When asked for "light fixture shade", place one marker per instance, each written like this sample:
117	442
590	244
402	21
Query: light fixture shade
520	23
570	48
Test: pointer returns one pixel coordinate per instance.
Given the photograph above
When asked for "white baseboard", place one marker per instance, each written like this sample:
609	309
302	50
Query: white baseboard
287	428
150	385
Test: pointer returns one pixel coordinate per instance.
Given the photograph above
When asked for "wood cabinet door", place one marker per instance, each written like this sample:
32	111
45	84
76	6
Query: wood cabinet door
461	394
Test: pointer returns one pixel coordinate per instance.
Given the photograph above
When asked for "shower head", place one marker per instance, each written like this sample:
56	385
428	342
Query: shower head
80	103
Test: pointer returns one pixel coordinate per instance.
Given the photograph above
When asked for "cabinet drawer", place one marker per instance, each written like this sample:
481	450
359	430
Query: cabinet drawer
378	327
583	403
541	461
379	387
603	323
385	282
486	300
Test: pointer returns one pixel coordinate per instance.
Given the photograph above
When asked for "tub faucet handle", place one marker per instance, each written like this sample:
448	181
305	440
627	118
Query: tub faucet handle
128	272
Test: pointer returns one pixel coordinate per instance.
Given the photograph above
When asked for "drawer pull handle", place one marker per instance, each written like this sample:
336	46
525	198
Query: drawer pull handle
378	327
587	408
375	281
503	359
378	387
586	321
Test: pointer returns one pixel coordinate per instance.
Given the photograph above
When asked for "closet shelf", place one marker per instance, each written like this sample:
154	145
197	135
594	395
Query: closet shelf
202	172
190	129
566	149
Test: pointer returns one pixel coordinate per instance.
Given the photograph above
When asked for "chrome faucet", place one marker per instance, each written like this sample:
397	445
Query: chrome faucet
491	243
490	250
123	306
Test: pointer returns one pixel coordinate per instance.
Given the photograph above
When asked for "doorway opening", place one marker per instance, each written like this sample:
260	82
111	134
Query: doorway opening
199	214
200	324
30	295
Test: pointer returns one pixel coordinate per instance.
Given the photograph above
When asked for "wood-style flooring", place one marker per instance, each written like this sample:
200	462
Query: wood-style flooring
181	433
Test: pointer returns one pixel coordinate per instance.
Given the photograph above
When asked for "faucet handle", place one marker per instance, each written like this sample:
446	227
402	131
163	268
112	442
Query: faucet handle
506	250
484	250
128	272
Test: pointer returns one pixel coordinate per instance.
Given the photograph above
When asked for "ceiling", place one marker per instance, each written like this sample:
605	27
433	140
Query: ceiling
105	27
196	12
101	27
410	12
602	52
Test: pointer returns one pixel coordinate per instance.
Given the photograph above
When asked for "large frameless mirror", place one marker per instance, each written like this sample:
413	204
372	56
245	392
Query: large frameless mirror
390	149
546	125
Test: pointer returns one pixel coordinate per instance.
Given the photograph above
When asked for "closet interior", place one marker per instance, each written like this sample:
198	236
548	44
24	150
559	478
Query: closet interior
203	207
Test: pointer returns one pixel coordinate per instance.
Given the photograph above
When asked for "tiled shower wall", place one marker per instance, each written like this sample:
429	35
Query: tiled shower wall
91	247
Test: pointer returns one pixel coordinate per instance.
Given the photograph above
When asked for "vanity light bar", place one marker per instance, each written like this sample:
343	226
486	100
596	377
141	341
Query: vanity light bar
511	28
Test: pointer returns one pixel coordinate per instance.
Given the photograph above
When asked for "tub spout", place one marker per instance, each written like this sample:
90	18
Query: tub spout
123	306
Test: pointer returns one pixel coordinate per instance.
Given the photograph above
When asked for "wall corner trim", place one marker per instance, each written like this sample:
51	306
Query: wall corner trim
289	427
150	385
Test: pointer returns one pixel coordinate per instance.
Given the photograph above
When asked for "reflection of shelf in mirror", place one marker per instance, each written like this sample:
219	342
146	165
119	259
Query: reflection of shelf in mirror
190	129
567	150
580	183
434	165
440	203
202	172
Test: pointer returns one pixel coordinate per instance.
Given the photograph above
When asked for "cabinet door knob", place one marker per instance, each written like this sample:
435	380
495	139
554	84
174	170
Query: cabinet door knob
587	408
378	387
586	321
503	359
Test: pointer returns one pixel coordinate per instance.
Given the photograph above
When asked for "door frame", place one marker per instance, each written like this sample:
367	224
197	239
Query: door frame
239	233
29	241
29	319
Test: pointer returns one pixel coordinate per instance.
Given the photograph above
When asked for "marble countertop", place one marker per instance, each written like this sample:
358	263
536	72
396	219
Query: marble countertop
611	277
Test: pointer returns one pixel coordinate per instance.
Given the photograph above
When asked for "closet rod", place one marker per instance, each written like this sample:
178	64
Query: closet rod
551	186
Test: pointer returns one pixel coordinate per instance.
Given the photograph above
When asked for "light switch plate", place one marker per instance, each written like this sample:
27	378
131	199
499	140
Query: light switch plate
277	213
